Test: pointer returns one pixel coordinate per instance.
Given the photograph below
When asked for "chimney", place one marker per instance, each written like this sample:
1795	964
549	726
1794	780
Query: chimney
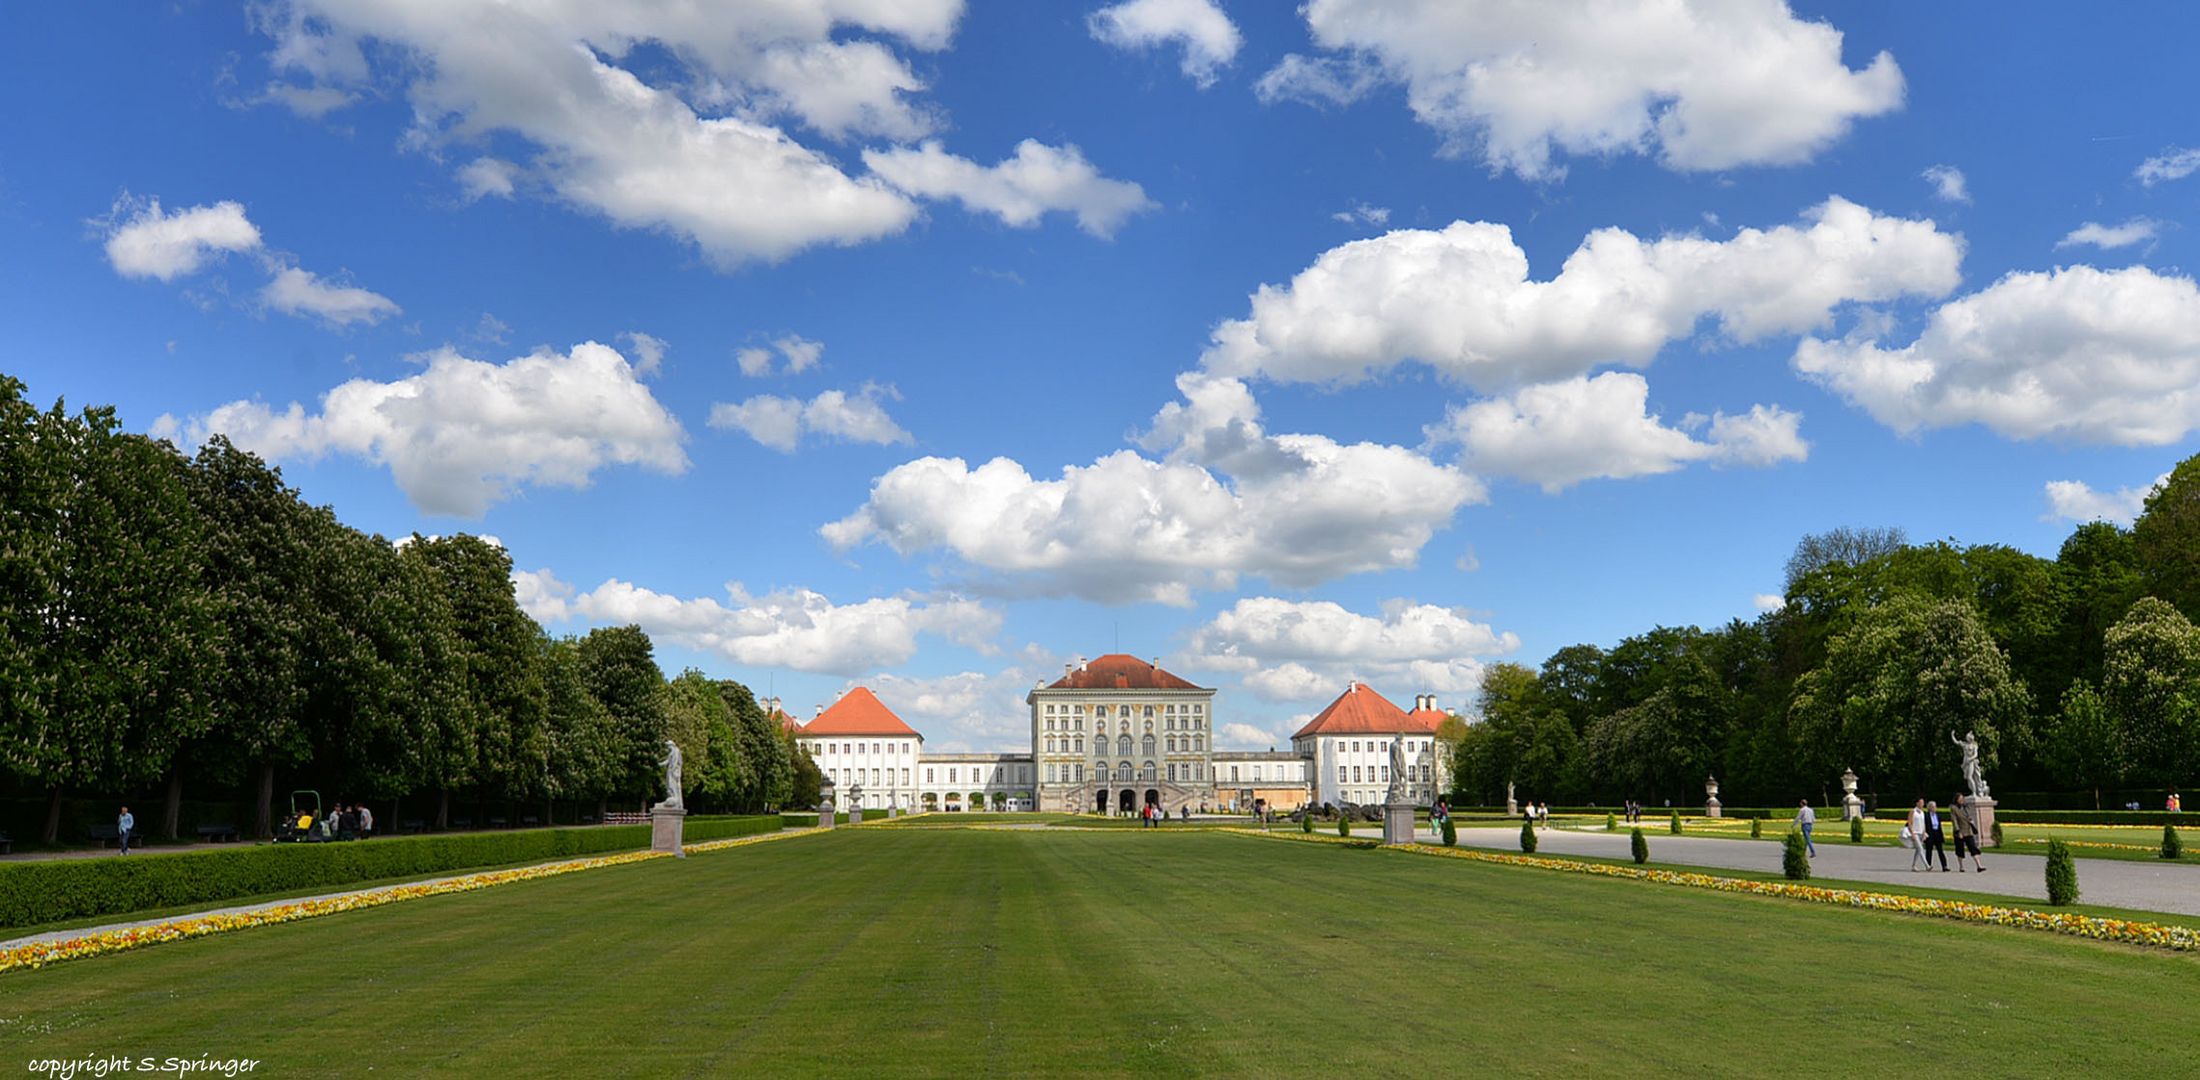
1080	663
1069	669
820	712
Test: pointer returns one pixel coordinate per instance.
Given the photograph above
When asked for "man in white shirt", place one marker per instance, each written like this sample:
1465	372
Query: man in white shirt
1804	819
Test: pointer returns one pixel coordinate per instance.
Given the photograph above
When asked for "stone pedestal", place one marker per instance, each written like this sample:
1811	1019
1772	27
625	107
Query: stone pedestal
1711	806
825	815
1398	823
1512	809
1982	811
665	826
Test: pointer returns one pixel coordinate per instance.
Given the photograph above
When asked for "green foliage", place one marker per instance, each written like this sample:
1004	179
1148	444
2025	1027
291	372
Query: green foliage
1527	837
1795	857
1611	821
2167	538
1450	833
1675	824
2086	743
1856	830
2151	681
51	890
1903	679
1638	846
2062	874
619	667
1306	822
1756	828
1344	823
2172	847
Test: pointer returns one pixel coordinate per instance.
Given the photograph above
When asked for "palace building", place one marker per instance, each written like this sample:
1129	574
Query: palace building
1117	734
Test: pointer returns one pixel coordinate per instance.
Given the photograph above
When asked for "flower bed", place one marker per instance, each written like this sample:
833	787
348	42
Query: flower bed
2126	931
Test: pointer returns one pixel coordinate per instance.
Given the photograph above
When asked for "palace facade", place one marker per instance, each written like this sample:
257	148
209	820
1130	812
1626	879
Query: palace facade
1116	734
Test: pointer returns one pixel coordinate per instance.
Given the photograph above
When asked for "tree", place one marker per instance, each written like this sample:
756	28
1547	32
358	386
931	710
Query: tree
2099	564
584	752
1844	546
113	613
2151	682
497	647
1903	680
1529	743
2085	743
805	780
2167	537
766	766
696	718
258	569
619	667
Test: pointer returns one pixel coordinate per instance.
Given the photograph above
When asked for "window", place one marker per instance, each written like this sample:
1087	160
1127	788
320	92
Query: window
1198	708
927	776
1080	770
1147	746
1355	774
1386	774
1340	774
1050	710
1172	744
874	778
1123	712
1234	774
950	776
1050	774
1050	723
1123	745
905	778
1080	744
1172	773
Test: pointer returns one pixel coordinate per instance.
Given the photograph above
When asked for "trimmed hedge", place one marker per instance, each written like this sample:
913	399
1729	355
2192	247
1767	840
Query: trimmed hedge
52	890
2065	817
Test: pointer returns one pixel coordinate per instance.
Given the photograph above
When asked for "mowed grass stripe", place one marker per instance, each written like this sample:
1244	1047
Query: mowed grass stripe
996	953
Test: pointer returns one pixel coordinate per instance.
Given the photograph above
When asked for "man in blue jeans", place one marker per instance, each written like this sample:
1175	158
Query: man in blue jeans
1804	819
123	824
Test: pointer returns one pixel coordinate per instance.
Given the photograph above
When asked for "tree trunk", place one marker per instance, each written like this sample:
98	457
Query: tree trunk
603	806
397	824
52	832
172	810
2096	799
442	809
263	815
549	811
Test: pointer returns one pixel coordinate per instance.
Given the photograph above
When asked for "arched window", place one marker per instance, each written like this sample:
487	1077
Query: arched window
1123	745
1123	771
1148	745
1150	771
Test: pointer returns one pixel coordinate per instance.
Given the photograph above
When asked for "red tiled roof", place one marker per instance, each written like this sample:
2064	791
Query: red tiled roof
1118	671
1362	711
787	723
858	712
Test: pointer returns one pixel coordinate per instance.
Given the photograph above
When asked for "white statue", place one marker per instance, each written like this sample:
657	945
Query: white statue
1972	777
672	777
1397	791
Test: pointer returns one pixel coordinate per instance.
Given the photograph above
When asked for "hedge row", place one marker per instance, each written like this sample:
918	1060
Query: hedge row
51	890
2073	817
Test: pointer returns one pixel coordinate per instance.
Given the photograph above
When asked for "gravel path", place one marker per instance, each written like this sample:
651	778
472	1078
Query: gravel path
2143	886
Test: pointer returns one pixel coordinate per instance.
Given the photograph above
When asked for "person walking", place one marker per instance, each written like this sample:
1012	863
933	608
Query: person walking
1966	833
1914	826
1805	817
366	821
124	825
1934	837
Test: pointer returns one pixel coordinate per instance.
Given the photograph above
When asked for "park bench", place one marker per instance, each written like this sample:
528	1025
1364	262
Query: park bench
462	823
412	825
218	834
529	821
496	822
105	834
7	844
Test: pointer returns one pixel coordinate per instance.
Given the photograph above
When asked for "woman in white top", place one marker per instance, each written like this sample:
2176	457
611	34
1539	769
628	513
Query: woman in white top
1913	833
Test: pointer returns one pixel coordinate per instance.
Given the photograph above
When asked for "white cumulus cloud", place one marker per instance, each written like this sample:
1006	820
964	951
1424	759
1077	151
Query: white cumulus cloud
1286	650
1460	300
1559	434
1208	37
2076	354
2138	230
1948	183
2076	500
792	628
144	241
780	422
1700	84
464	434
799	354
301	292
1037	180
1227	499
2174	163
1238	735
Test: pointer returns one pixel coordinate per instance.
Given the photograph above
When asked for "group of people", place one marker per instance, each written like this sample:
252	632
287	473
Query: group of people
1439	814
1152	815
342	822
1537	814
1632	812
1926	831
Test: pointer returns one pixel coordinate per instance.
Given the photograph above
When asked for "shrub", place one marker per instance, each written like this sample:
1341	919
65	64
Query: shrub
1306	822
56	889
1856	830
1344	824
1676	826
1527	837
1610	822
2171	846
1997	833
2062	874
1639	847
1756	828
1794	857
1450	833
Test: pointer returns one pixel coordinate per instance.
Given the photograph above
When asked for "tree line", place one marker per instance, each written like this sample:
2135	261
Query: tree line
165	617
2080	674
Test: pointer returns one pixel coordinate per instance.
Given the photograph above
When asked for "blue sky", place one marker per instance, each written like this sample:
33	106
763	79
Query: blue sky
776	329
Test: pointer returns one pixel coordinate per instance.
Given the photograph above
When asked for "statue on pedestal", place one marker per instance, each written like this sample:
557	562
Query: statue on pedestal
1397	790
1973	778
671	763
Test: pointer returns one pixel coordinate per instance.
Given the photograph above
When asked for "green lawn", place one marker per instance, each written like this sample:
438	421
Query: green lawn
897	952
